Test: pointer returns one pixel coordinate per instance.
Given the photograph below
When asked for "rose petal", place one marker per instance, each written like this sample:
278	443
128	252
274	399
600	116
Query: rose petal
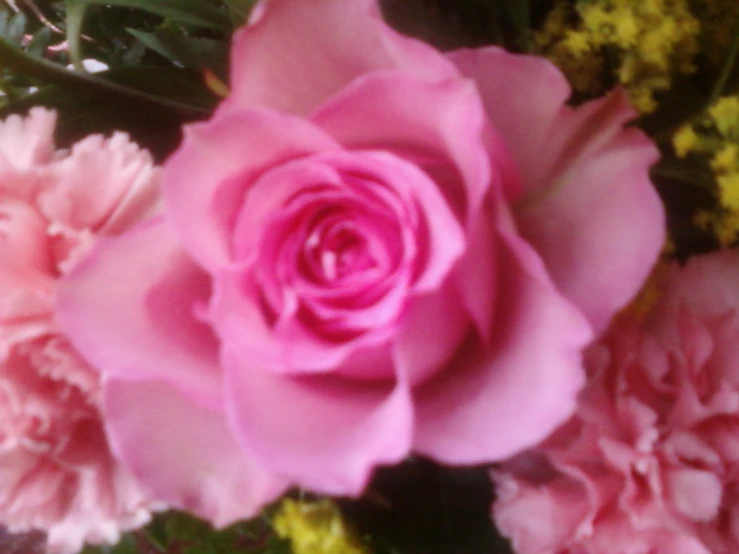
476	274
183	453
128	308
492	403
588	178
430	332
204	182
443	121
296	54
523	98
323	432
609	225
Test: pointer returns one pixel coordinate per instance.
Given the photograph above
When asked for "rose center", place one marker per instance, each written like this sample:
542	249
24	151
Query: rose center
339	252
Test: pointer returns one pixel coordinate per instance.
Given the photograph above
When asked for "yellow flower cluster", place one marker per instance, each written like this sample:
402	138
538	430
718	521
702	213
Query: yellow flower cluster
645	42
316	527
717	136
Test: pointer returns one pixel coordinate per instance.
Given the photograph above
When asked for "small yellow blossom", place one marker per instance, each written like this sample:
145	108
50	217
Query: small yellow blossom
717	136
577	43
649	40
316	527
685	141
725	115
729	190
726	159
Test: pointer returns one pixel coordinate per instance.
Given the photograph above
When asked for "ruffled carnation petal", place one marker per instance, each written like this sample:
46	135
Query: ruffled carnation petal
184	454
25	143
293	55
154	310
655	432
77	199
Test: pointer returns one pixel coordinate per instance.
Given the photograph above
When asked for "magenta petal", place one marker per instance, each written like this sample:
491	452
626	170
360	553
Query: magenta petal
205	180
444	121
322	432
432	329
476	274
295	54
523	97
184	454
128	308
590	210
600	225
493	402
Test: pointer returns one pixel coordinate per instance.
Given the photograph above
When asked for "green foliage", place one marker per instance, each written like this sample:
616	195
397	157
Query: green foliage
173	42
180	533
239	10
200	13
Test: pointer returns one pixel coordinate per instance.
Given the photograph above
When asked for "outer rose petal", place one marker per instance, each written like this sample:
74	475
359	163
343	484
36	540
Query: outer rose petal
140	289
589	175
294	55
205	180
475	411
324	432
524	97
184	453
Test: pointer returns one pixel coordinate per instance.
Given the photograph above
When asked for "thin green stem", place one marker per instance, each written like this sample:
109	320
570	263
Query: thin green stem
726	70
16	60
75	17
718	89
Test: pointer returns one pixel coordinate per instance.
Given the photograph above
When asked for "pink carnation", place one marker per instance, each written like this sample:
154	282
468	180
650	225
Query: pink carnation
57	472
371	249
650	462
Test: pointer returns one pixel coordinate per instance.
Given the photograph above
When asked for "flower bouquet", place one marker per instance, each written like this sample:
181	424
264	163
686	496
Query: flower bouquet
352	277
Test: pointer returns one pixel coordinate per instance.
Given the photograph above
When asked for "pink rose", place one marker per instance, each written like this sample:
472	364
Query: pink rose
371	249
650	462
57	473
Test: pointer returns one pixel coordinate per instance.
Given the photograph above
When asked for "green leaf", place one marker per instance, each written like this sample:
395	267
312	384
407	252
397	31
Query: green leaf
171	42
239	10
203	548
127	545
16	60
153	125
40	41
518	15
12	26
199	13
184	527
